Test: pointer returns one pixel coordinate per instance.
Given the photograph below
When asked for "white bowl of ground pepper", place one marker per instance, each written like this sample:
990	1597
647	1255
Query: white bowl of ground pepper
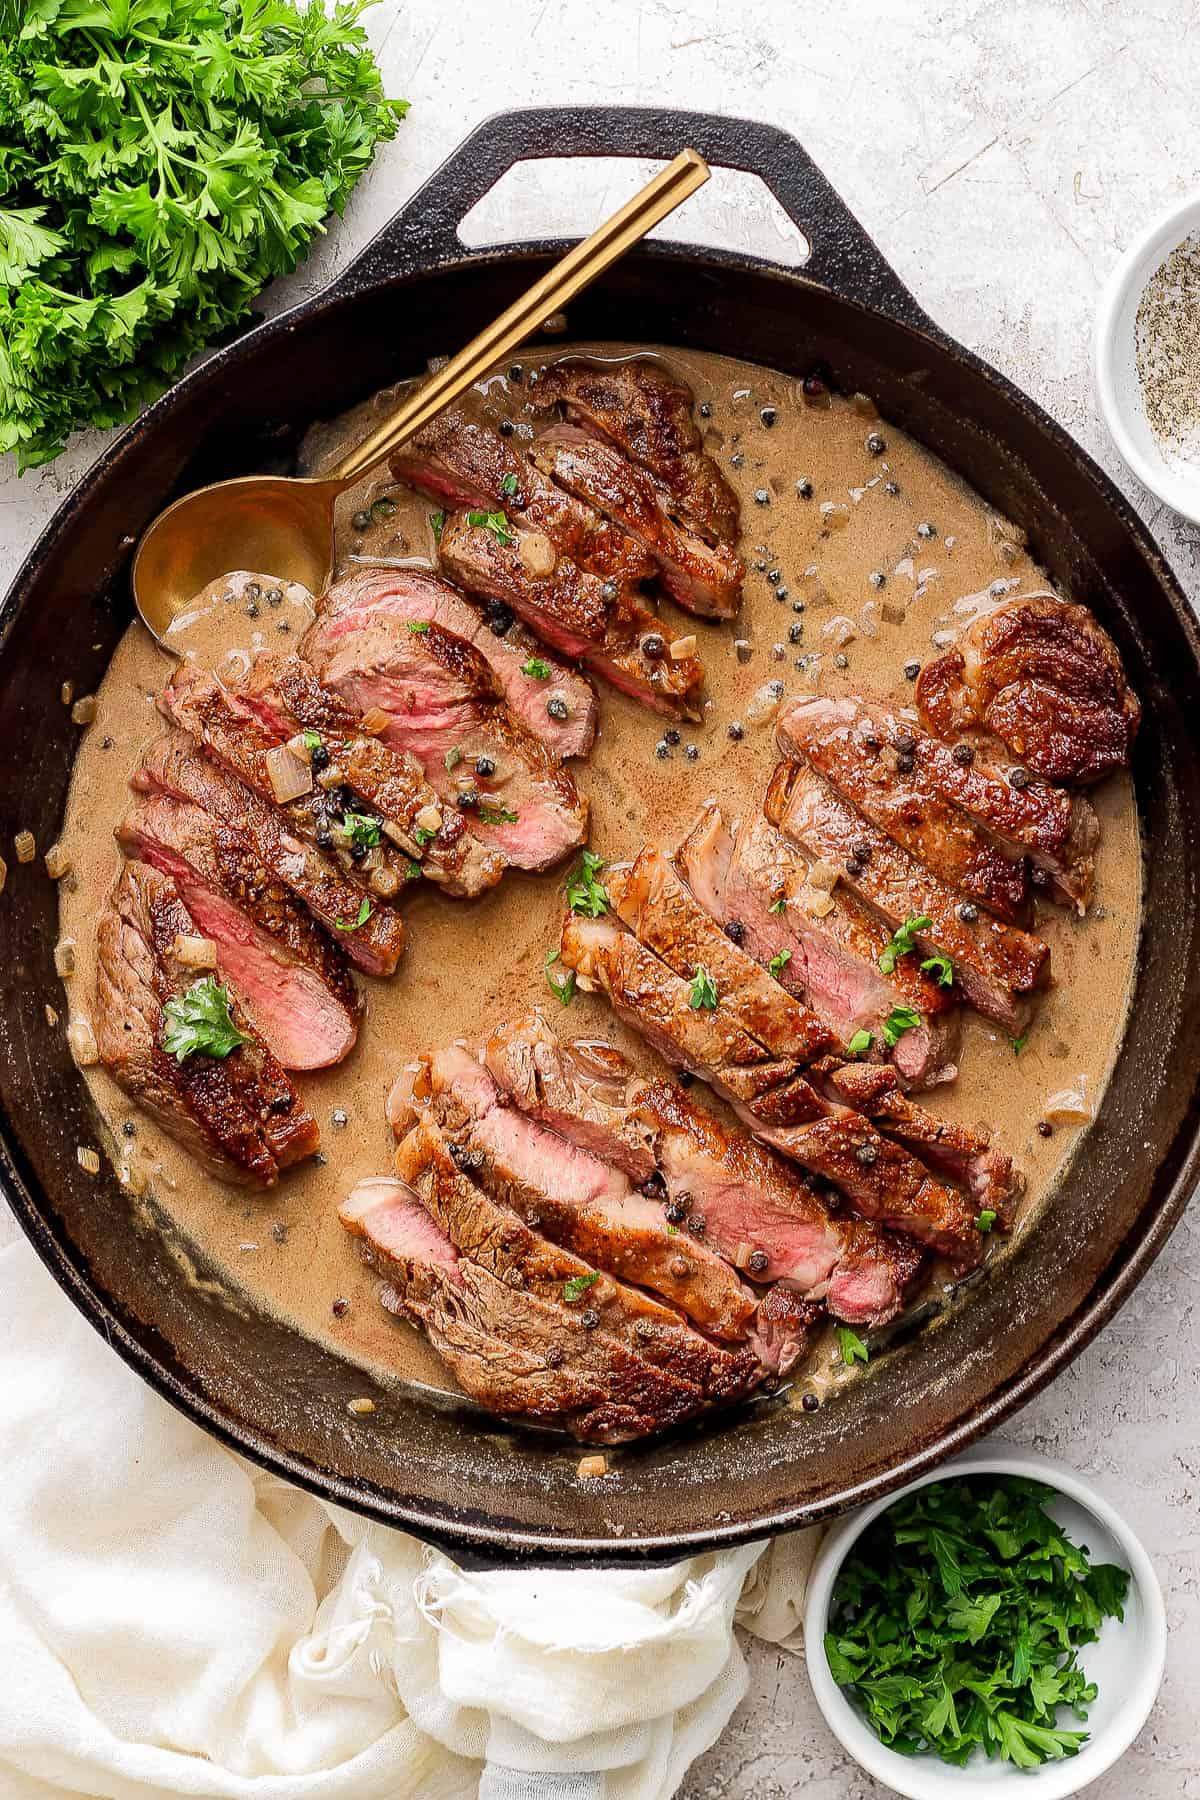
1147	357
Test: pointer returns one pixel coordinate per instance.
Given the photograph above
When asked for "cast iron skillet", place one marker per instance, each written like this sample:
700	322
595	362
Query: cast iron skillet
442	1470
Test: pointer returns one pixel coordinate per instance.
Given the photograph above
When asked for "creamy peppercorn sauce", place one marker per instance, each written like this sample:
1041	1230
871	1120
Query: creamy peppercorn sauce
894	513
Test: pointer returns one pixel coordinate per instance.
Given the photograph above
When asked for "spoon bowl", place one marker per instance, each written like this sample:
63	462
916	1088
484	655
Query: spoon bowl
281	525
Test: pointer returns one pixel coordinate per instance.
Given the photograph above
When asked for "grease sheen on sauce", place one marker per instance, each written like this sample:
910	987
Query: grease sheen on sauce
468	965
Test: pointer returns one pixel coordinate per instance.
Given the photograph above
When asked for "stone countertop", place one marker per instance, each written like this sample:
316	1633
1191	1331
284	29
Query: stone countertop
1001	156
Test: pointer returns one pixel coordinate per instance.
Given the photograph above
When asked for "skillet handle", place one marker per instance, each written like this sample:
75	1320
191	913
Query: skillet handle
424	233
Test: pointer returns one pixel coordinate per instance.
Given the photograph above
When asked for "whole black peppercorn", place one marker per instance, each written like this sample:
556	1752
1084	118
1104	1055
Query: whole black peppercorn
516	373
877	578
671	735
866	1154
468	800
853	867
841	660
485	766
795	633
361	520
875	443
129	1128
737	460
705	410
768	415
324	838
506	428
1045	1128
905	765
697	1225
911	670
862	850
964	754
870	741
555	1356
968	912
773	575
798	606
926	530
813	387
1039	877
1018	778
654	646
609	591
589	1318
758	1262
804	488
761	565
737	731
889	487
357	852
654	1187
762	497
905	742
735	931
781	592
662	749
320	757
685	1078
675	1214
340	1308
692	752
810	1403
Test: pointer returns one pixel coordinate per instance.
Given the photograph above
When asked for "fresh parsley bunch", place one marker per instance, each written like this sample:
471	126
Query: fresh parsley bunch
160	162
957	1621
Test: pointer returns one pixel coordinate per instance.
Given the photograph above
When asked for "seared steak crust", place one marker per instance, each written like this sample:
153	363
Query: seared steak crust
998	966
1045	677
647	413
878	774
238	1115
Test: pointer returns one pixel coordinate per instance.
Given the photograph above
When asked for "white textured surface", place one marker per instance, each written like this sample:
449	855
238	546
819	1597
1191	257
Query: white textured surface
1001	155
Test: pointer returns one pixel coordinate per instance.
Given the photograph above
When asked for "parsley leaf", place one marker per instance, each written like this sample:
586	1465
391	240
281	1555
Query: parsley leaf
898	1021
859	1044
564	990
986	1220
364	913
419	626
780	962
903	943
537	668
424	834
162	162
509	485
452	758
1019	1043
200	1022
851	1347
437	522
587	894
778	906
497	815
495	522
362	829
577	1287
704	990
312	740
939	964
957	1619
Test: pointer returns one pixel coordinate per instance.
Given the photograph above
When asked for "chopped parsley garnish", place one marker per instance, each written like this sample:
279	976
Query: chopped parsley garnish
1019	1043
851	1347
939	964
957	1620
898	1021
495	522
778	906
437	522
902	943
985	1221
586	894
424	834
452	759
497	815
777	963
509	485
364	913
312	740
577	1287
564	990
860	1043
362	829
420	626
200	1022
413	872
704	990
537	668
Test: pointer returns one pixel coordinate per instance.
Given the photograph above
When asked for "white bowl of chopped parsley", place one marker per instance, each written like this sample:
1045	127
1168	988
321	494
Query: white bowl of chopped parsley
996	1626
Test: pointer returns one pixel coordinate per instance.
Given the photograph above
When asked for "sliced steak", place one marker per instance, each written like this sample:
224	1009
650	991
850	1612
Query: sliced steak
881	1179
756	885
573	1198
293	982
239	1115
878	774
1057	830
742	1199
1046	679
647	412
443	706
649	1358
999	967
172	766
559	708
598	620
658	908
705	578
286	696
465	462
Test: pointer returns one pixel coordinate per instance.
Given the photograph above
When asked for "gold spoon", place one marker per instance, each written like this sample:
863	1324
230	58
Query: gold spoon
282	525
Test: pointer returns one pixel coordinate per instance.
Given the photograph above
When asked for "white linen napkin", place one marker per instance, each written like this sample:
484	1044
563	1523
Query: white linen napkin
173	1621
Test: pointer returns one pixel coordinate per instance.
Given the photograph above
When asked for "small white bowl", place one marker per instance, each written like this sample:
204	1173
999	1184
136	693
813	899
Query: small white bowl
1117	386
1126	1662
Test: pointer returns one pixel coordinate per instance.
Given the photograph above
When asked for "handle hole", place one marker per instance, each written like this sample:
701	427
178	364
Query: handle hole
568	196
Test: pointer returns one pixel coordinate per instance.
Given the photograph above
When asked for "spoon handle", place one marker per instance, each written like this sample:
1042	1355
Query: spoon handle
580	266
